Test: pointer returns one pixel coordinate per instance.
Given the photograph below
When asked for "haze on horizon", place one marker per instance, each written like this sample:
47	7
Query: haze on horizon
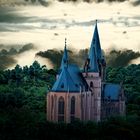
47	26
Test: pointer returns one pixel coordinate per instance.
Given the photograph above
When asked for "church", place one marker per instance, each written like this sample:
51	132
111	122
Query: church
83	93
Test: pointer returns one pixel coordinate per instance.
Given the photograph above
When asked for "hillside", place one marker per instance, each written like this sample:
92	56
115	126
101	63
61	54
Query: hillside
23	107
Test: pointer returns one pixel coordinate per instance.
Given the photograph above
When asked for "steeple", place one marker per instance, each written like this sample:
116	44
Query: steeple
93	64
96	43
64	61
95	51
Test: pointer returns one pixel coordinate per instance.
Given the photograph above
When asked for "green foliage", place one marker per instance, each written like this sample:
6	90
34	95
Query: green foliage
23	107
130	78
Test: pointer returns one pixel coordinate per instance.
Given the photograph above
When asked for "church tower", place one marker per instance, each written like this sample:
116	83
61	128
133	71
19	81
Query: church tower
64	100
94	74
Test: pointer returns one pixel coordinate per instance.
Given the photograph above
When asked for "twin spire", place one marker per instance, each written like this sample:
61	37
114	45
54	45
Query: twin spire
95	54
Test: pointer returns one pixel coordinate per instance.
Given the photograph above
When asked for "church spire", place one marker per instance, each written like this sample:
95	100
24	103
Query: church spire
93	64
96	42
64	61
95	53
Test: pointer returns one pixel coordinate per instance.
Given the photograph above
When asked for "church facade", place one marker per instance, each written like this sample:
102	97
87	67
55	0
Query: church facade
84	94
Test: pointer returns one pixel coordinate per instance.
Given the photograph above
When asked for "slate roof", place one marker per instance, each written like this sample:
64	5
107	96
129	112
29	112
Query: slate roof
111	91
77	77
70	80
93	64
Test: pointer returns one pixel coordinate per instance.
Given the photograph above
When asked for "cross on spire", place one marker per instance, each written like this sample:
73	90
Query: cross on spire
64	61
65	42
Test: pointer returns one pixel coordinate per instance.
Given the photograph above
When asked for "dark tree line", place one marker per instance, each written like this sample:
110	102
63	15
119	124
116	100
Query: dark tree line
23	107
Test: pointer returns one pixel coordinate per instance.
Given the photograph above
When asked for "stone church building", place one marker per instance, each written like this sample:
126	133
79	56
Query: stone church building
84	94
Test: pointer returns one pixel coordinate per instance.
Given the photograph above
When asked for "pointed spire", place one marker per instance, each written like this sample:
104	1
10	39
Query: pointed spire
64	61
96	42
93	64
95	53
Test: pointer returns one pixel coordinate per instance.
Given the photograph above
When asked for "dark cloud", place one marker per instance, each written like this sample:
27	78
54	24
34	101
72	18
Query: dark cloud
15	49
11	20
9	54
42	2
136	3
55	56
48	2
89	1
133	2
8	14
117	58
114	58
26	47
24	2
6	62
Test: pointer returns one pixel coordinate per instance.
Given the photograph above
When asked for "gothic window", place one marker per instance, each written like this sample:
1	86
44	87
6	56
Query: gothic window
72	111
52	102
52	106
91	84
61	109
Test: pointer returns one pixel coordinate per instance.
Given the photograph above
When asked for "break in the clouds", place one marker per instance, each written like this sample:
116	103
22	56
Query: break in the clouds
46	27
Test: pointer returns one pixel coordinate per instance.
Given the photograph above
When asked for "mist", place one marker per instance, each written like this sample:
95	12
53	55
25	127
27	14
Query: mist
114	58
9	54
121	58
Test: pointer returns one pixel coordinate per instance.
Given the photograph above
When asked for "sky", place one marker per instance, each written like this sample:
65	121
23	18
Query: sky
46	27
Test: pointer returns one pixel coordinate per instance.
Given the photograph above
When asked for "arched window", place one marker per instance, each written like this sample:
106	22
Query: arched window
52	106
91	84
72	111
61	109
52	100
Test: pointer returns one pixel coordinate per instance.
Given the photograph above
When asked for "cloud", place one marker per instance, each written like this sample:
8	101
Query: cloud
55	61
15	49
24	2
135	2
49	54
6	62
115	58
9	54
26	47
46	3
121	58
8	14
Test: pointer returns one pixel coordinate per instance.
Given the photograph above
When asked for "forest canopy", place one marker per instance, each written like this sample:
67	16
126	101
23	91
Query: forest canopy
23	107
